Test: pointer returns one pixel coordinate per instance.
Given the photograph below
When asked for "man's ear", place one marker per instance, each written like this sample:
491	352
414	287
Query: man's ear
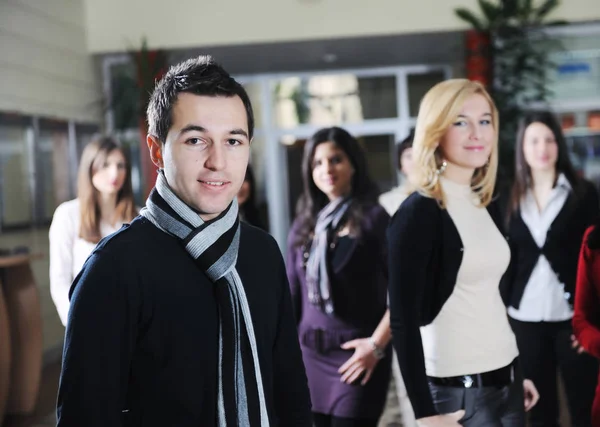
155	148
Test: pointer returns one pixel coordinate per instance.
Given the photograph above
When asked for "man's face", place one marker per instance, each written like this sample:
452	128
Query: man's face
206	151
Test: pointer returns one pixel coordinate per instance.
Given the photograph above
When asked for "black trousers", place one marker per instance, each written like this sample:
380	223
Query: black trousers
484	406
544	348
322	420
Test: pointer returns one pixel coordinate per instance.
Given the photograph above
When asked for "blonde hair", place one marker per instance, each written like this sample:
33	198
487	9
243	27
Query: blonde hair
439	109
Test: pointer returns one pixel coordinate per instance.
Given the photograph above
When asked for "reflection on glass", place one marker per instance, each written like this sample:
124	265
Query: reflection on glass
52	169
418	85
577	71
294	152
328	100
15	197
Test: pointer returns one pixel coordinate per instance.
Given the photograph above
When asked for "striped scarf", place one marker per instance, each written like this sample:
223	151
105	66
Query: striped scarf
214	246
317	276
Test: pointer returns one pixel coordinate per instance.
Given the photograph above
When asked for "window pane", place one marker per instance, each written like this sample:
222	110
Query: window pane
52	169
381	154
328	100
577	71
253	90
15	196
294	152
418	85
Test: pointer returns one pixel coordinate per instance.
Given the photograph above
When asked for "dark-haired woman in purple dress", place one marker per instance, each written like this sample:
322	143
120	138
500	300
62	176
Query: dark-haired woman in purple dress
337	268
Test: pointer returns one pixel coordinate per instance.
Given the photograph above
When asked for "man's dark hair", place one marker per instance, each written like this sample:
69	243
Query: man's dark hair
403	146
198	76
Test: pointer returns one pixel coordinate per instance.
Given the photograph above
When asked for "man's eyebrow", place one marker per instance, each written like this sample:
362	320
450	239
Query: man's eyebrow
192	128
239	131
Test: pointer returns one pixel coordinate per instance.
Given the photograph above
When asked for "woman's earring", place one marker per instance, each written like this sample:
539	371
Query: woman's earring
442	168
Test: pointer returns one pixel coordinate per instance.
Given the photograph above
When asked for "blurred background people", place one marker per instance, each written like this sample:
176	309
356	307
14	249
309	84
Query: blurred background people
104	203
550	209
336	265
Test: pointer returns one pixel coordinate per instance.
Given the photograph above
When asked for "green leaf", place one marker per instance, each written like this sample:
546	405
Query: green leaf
509	8
468	17
526	7
491	12
547	7
525	10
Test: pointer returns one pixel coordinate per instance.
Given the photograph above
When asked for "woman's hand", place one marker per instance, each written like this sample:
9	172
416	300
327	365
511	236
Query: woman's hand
576	345
363	361
531	394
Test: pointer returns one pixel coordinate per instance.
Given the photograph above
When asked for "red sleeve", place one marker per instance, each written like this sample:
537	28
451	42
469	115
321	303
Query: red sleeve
587	302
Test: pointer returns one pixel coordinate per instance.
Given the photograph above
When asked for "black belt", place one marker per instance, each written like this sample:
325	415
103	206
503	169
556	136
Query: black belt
497	378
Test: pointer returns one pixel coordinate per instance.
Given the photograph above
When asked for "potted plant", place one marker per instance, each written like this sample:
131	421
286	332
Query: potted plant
508	53
131	88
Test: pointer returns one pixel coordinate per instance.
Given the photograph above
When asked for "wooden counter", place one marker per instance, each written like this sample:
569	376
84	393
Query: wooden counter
21	340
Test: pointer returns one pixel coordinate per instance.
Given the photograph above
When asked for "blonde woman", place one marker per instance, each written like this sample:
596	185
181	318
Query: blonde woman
104	202
456	350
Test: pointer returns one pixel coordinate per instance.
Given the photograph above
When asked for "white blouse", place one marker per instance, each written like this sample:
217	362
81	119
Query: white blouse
471	333
544	296
68	252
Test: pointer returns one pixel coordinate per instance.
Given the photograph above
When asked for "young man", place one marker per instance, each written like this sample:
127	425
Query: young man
184	318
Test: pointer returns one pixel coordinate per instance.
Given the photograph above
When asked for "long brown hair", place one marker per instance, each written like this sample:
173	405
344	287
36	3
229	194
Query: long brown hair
93	157
364	190
523	181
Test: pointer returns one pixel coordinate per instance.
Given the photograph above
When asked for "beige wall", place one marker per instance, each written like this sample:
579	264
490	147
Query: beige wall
115	25
45	68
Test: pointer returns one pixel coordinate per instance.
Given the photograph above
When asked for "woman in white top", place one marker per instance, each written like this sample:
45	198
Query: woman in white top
551	207
104	202
456	350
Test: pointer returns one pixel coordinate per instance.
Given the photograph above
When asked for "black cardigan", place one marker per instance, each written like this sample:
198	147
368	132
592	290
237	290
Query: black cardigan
141	347
561	248
425	254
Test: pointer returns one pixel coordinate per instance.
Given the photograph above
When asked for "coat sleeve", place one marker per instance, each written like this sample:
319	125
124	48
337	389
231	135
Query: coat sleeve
292	398
412	235
587	301
99	342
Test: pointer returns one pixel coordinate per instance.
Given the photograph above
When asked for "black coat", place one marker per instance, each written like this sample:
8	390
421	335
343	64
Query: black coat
142	341
561	248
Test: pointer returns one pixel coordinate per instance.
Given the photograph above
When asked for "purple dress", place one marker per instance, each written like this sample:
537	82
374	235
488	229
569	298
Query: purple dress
358	276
